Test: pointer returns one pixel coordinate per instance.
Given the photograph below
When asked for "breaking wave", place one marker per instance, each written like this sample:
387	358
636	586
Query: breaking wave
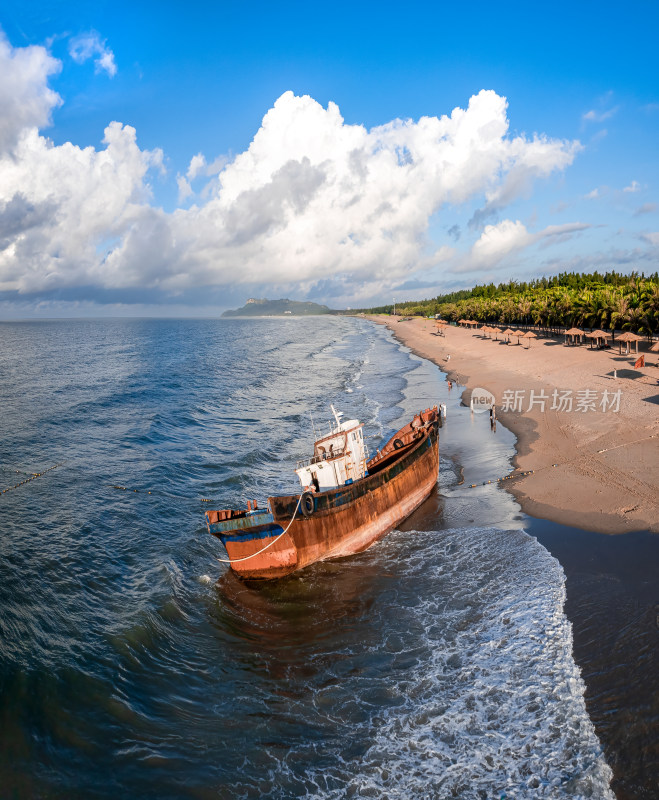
463	685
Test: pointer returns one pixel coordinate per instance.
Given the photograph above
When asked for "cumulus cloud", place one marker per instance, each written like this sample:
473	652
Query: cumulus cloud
73	200
313	196
311	200
634	186
89	45
508	238
26	101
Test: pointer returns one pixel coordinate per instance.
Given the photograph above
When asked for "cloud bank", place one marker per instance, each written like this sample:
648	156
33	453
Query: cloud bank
312	200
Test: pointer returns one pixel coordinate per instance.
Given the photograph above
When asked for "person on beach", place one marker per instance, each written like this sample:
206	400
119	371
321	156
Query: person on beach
450	385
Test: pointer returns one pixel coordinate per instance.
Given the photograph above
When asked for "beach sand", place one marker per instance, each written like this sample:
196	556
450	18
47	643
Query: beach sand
593	469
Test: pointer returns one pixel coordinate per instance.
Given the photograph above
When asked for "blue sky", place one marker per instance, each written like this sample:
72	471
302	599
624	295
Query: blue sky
170	158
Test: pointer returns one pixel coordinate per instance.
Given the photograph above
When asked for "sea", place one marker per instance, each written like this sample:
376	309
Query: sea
440	663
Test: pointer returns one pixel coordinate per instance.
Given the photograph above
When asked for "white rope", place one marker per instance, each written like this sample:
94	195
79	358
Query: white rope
236	560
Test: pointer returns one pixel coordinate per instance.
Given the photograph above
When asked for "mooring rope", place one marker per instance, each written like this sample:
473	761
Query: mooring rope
263	549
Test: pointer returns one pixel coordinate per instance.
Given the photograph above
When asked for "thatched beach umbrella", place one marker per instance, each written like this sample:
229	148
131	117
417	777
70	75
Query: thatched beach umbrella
530	335
508	333
597	335
628	337
574	332
518	334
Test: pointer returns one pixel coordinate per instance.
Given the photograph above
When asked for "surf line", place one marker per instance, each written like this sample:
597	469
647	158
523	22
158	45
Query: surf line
562	464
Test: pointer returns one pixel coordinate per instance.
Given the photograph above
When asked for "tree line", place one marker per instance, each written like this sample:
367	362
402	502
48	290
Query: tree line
610	301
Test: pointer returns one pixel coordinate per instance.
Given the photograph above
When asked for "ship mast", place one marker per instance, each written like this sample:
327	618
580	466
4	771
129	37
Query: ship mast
337	415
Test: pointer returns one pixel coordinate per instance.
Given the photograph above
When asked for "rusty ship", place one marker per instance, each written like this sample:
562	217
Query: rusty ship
347	500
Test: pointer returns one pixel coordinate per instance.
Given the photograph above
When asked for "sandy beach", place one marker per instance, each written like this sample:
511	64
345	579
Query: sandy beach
590	437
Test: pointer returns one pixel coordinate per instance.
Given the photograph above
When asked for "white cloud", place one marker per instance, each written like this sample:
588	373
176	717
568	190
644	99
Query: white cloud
89	45
651	238
80	199
184	188
26	101
197	166
592	195
506	239
599	136
634	186
498	241
600	116
313	197
311	200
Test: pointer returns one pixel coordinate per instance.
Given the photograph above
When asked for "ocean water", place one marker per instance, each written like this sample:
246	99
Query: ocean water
437	664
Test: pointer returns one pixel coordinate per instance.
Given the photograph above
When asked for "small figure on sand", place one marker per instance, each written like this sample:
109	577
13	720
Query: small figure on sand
448	358
450	385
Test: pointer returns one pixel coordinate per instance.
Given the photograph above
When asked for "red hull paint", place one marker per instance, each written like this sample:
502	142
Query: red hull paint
349	519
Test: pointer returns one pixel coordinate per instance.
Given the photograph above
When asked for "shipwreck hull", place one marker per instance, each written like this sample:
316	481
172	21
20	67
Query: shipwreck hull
343	521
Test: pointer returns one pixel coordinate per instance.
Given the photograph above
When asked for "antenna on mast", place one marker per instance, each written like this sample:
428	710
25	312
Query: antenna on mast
337	414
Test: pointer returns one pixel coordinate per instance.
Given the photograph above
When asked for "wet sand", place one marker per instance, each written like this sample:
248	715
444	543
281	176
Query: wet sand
595	469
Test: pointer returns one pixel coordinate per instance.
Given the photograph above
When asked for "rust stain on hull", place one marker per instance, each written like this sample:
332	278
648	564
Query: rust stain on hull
345	520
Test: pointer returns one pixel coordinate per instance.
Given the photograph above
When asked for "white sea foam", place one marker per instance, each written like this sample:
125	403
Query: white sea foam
490	702
498	708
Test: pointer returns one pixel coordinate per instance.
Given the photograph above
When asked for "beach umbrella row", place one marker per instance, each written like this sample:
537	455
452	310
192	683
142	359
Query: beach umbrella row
627	337
508	332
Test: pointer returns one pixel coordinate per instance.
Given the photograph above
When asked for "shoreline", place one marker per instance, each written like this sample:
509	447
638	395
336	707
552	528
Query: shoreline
597	469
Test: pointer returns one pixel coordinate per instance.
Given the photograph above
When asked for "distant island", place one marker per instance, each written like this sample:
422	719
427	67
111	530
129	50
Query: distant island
278	308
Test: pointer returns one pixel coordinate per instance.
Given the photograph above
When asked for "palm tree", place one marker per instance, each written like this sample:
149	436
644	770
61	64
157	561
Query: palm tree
619	312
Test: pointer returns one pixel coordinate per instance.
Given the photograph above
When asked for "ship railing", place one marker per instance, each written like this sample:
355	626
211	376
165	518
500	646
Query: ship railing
307	462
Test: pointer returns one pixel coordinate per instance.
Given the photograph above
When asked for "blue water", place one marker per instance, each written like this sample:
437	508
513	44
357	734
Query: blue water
436	664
